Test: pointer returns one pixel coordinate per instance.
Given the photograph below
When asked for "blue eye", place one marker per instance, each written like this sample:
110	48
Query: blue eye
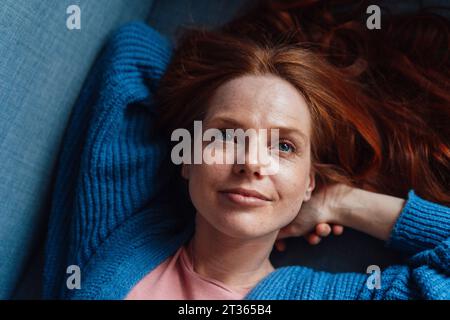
286	147
226	136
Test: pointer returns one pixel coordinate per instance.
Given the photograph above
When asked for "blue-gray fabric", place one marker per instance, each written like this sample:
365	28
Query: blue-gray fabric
168	17
42	68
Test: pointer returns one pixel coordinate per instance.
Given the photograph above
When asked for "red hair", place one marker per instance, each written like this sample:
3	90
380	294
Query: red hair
379	99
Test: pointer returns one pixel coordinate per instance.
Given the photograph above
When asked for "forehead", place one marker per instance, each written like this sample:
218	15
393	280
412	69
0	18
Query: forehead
260	102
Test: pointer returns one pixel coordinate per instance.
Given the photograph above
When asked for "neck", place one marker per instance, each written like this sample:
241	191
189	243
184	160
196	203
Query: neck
238	263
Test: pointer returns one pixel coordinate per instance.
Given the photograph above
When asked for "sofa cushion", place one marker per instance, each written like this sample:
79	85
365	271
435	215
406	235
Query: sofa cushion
42	67
168	16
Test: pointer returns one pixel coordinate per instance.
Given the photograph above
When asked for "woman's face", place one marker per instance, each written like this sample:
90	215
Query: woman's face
255	102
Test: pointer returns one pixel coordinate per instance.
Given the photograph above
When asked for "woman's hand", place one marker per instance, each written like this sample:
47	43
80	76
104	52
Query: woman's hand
320	231
318	217
339	205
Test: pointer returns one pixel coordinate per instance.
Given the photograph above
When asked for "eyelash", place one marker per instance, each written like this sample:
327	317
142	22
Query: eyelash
287	142
291	145
223	131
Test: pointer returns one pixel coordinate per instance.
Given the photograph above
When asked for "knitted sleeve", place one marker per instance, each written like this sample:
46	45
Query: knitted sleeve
422	231
108	166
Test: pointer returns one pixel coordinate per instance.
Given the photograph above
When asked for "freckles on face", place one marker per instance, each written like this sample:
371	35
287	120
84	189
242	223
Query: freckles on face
255	102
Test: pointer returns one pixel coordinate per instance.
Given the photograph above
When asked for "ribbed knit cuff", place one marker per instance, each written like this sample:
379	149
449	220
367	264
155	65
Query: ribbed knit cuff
421	225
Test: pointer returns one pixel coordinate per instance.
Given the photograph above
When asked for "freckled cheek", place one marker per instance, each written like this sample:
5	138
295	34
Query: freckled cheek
290	183
210	176
205	180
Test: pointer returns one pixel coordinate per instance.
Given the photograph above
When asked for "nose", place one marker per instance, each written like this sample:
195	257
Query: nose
248	169
255	163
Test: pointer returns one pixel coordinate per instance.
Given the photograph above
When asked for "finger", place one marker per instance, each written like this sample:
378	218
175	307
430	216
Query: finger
337	229
284	233
313	239
280	245
323	229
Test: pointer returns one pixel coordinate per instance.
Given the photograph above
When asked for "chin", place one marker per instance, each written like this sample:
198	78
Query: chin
244	224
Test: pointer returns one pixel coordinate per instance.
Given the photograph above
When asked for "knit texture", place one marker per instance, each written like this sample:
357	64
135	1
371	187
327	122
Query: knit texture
113	209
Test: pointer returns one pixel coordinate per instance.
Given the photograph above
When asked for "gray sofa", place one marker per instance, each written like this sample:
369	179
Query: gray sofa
42	68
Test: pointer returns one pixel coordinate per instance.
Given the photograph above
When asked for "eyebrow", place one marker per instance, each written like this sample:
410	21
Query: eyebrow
233	122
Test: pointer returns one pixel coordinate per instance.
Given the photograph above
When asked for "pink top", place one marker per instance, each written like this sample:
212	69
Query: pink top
175	279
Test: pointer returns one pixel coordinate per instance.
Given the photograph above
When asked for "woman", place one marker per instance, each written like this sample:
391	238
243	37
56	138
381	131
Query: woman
132	240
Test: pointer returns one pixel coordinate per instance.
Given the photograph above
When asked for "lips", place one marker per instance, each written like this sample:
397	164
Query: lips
245	197
247	193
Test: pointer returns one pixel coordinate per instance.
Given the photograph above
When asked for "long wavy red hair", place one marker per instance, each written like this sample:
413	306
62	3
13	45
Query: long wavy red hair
379	99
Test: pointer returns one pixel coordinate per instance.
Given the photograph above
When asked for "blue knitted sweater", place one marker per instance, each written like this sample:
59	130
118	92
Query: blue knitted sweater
113	217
